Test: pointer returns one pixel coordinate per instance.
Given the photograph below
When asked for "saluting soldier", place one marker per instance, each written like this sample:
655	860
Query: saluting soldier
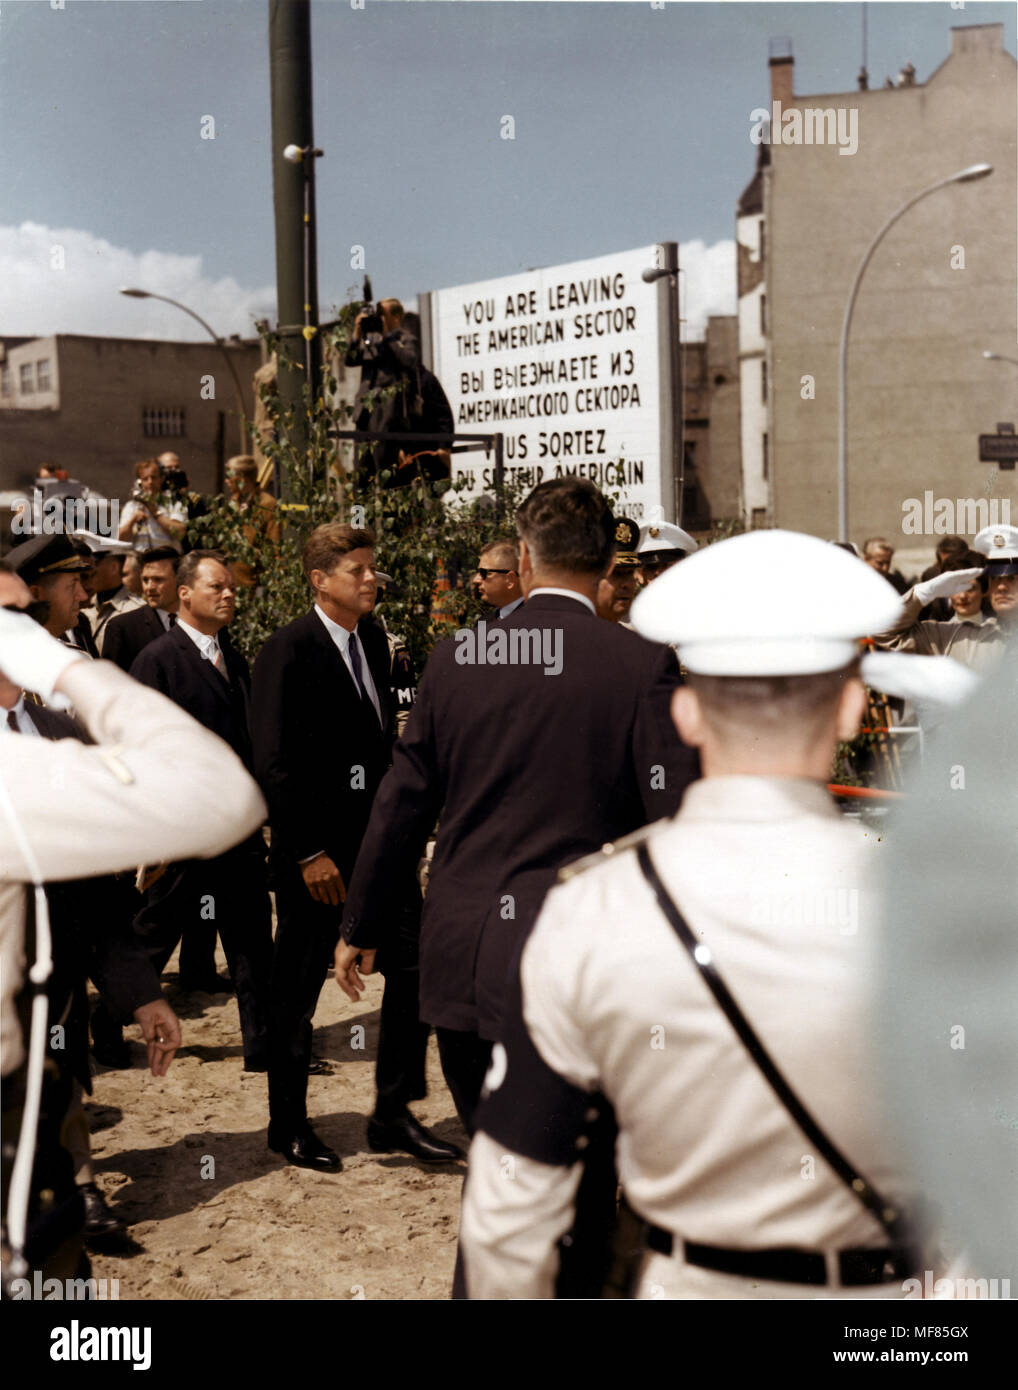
746	1142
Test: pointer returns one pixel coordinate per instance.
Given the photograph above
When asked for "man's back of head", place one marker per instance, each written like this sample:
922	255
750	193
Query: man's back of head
567	528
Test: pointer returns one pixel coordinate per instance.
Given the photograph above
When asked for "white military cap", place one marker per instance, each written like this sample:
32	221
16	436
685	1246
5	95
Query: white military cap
1000	546
769	603
663	535
103	545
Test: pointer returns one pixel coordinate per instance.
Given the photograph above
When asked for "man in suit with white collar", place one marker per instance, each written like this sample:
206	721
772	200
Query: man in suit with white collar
129	633
195	665
323	726
497	577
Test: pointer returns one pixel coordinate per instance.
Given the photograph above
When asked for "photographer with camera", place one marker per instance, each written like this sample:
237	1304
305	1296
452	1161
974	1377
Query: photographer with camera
155	516
396	395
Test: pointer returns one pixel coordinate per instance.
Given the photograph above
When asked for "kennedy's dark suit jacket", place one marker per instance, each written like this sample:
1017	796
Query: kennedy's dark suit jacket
529	772
173	665
312	733
128	633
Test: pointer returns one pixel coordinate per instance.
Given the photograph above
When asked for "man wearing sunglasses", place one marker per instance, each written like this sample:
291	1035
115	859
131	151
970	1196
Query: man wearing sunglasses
497	579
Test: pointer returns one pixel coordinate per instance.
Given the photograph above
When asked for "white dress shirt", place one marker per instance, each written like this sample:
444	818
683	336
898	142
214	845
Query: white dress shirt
342	638
565	593
207	643
508	608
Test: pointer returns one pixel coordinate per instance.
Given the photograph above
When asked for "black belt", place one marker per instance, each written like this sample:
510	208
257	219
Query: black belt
855	1267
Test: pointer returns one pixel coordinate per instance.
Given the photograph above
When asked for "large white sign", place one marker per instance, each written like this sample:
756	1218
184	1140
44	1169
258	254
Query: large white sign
566	362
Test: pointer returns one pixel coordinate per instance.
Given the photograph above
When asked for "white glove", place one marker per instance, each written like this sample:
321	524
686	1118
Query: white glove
33	659
944	585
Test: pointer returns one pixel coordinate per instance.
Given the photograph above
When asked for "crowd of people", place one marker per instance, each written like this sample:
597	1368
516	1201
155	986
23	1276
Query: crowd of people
667	778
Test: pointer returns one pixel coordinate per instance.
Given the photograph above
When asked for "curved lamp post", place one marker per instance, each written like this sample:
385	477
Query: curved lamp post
149	294
974	171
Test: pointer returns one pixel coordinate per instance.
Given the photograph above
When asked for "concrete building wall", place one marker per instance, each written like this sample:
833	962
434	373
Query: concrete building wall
93	421
940	289
710	401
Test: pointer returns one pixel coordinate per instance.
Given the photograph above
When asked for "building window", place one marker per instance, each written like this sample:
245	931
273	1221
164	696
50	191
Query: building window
5	379
758	518
763	240
162	424
766	463
763	314
763	380
26	379
43	381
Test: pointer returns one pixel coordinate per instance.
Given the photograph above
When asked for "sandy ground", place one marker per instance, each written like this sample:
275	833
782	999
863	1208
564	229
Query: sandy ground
256	1227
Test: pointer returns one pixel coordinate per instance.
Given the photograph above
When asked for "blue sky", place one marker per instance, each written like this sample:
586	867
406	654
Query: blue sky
632	126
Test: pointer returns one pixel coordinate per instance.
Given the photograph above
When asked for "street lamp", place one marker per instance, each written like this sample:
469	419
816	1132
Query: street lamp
150	294
305	155
999	357
974	171
671	270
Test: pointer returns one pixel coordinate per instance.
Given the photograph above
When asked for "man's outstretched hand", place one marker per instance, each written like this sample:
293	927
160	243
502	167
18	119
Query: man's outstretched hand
348	977
160	1028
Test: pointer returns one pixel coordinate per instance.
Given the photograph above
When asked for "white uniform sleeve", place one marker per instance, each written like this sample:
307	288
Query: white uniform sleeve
515	1211
156	787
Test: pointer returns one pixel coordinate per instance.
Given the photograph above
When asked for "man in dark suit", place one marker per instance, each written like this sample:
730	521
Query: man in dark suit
538	740
323	724
196	667
129	633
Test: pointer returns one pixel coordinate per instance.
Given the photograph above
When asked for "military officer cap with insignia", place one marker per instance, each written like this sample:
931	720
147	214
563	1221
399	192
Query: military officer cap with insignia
627	534
769	603
663	544
1000	546
48	554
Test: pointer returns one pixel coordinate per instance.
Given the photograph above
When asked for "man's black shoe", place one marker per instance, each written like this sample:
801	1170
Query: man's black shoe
404	1135
99	1220
318	1066
306	1150
256	1063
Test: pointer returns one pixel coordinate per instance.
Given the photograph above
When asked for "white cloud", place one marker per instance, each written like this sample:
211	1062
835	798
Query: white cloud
707	284
37	298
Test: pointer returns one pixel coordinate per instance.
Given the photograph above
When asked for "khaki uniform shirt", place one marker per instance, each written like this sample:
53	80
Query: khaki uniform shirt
99	614
977	643
155	786
772	878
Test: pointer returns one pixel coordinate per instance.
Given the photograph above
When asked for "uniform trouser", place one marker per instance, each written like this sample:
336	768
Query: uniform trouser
198	952
230	893
307	933
74	1135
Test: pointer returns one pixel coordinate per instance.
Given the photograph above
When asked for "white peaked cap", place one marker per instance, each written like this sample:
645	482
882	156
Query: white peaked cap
664	535
997	542
108	543
769	603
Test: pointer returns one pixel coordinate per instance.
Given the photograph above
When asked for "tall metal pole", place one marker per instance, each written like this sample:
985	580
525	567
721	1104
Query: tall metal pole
293	188
974	171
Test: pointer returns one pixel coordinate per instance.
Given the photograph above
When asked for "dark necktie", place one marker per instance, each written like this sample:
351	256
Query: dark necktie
12	722
173	619
355	662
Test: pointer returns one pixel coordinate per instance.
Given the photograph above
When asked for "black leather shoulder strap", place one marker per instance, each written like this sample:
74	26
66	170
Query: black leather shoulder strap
888	1215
